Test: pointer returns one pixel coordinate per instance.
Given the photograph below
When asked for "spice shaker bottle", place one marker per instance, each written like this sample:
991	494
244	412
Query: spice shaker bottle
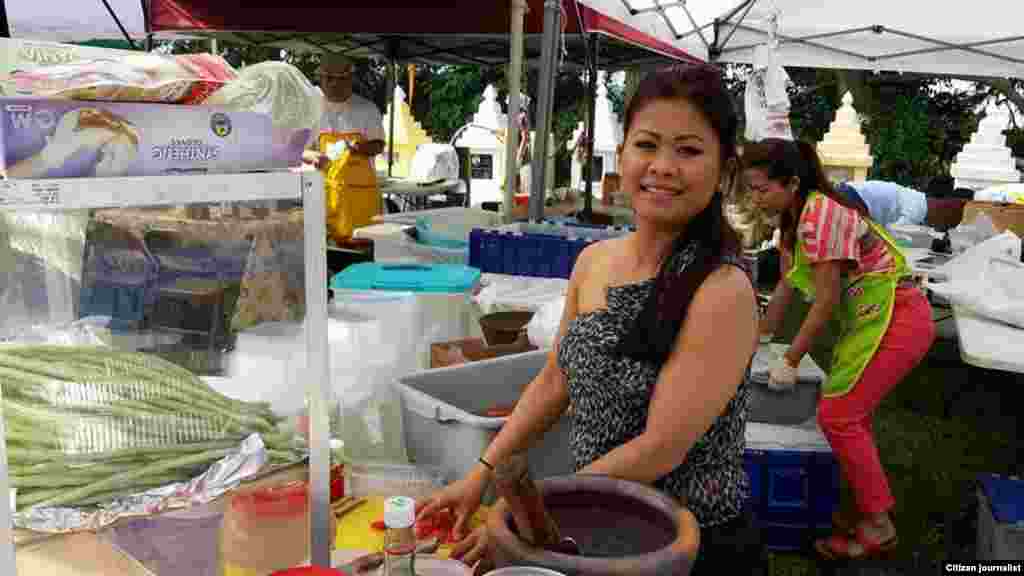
399	536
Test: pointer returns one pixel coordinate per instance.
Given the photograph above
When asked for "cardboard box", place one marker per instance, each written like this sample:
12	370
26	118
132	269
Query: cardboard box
47	138
1004	216
473	350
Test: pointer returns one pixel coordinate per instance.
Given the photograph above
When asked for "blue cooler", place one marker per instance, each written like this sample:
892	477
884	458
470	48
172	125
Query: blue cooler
1000	518
794	484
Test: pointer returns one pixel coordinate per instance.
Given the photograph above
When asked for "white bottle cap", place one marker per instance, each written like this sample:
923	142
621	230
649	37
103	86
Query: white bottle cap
399	512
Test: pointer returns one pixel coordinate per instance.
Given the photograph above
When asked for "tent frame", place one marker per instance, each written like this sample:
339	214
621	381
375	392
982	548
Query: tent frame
718	48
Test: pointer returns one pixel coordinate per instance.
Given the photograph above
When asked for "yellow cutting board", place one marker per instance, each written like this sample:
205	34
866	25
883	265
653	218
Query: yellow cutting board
355	533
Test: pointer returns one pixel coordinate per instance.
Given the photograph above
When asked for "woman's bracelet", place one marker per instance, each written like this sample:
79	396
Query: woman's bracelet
486	464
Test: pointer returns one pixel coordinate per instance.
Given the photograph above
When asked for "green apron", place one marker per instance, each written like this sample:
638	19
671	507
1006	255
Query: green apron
864	312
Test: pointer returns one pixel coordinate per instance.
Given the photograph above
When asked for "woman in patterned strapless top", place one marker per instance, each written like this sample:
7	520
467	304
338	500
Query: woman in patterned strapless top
657	334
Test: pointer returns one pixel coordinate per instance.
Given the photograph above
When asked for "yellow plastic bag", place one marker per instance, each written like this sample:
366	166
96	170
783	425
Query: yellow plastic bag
353	198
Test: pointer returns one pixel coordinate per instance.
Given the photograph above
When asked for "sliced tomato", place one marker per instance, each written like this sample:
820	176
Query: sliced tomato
378	525
444	519
447	537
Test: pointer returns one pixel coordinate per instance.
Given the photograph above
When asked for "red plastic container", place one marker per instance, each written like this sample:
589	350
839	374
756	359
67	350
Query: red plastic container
278	515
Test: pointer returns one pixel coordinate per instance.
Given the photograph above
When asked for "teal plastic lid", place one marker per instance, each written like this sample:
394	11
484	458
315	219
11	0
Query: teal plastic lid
403	277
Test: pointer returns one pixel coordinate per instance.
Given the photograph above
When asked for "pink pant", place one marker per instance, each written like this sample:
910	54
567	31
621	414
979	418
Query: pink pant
846	420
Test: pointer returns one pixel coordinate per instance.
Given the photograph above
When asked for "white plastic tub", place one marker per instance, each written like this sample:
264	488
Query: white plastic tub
442	410
391	244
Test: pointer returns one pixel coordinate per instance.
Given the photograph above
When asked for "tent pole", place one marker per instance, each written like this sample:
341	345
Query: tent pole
391	95
518	10
147	24
120	26
5	27
588	186
549	53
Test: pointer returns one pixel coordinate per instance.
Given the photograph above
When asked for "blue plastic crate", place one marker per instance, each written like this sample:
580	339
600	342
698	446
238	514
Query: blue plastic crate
118	282
543	249
793	494
124	301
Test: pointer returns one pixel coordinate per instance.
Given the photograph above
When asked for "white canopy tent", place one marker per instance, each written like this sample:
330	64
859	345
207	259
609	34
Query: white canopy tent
981	39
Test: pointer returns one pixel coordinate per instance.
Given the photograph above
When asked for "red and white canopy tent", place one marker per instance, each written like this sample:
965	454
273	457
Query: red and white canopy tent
480	33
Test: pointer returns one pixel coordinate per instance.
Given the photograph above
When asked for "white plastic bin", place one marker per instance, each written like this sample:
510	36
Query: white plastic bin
442	308
444	218
441	414
392	244
788	408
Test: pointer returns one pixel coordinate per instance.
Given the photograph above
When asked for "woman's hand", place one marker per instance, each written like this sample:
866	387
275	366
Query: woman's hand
472	548
461	497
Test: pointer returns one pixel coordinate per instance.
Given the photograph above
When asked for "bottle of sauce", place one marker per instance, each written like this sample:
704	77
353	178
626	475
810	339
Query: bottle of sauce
399	537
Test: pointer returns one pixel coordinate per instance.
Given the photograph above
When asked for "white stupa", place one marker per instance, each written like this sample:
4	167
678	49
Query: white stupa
607	137
844	152
986	160
486	149
409	134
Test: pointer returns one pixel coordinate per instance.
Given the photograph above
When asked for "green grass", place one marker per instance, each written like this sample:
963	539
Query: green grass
938	429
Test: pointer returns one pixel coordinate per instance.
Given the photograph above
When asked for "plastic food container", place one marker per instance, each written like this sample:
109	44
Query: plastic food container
441	309
257	518
386	480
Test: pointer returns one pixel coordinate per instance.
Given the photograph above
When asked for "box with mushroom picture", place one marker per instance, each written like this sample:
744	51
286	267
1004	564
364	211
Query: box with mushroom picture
49	138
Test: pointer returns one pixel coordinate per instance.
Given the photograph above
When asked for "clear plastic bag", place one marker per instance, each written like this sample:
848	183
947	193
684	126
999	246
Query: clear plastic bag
144	77
282	92
543	327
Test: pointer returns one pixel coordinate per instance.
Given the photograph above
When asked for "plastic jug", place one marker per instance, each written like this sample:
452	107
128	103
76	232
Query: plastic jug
353	198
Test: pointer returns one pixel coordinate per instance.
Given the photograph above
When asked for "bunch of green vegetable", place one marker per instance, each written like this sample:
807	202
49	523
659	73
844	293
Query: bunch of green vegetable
85	425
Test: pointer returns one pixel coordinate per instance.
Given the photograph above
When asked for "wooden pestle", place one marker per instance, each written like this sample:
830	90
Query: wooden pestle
512	483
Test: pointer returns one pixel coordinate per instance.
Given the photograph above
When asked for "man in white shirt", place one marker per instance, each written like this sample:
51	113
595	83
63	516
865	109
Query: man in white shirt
888	203
345	111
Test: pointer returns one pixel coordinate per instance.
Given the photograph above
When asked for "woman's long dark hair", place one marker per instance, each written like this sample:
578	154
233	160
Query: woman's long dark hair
653	335
783	160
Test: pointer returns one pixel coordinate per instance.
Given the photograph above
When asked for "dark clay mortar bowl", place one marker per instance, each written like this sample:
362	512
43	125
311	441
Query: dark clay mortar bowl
623	528
504	327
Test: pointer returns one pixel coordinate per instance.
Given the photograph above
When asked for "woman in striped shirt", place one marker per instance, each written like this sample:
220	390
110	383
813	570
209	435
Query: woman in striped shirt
836	255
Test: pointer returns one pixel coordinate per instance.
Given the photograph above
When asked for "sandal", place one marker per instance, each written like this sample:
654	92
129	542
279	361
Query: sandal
846	522
837	546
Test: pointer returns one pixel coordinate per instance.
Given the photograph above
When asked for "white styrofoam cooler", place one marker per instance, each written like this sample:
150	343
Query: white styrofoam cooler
441	414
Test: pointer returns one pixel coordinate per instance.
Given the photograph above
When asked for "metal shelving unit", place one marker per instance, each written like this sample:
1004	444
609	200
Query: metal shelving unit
88	193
